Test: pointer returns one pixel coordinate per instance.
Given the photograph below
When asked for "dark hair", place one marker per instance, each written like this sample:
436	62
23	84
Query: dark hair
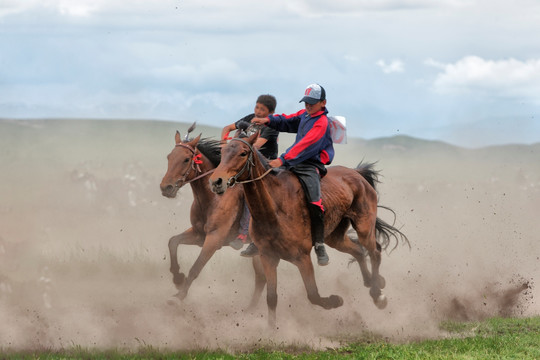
269	101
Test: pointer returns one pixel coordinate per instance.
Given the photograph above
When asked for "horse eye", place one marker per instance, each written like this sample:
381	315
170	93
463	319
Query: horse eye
186	160
243	153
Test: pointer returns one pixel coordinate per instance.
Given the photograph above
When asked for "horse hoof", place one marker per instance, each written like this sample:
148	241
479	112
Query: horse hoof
172	302
382	282
381	301
178	280
181	294
335	301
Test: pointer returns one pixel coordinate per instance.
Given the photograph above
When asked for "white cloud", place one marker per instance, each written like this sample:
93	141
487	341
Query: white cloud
395	66
44	8
508	77
9	7
218	9
319	8
76	9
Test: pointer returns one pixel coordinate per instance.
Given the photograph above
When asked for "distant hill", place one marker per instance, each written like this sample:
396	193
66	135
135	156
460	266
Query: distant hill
147	140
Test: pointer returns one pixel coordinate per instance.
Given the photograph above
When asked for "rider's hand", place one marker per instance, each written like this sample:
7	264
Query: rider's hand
275	163
260	121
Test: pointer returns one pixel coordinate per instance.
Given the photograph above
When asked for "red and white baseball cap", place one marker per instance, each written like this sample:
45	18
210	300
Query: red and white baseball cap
313	94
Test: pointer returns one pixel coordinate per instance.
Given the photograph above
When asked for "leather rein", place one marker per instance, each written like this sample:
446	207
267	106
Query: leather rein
195	165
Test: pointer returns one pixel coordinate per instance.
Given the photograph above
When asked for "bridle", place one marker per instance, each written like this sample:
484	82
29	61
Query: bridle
248	166
195	165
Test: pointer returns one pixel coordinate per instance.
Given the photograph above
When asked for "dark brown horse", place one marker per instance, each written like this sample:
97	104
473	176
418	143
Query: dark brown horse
280	222
214	219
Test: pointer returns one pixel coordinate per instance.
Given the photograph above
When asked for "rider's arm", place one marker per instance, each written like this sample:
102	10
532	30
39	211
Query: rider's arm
308	146
260	142
226	130
260	121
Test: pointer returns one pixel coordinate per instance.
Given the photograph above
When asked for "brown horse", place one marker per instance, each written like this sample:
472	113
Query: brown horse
280	221
214	219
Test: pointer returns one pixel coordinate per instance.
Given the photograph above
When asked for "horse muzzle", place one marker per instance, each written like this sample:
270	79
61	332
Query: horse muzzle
169	190
219	185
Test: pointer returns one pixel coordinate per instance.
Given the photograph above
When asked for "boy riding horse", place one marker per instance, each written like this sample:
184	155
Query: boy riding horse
307	157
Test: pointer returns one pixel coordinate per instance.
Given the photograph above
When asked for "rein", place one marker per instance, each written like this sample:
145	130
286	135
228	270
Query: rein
195	162
247	166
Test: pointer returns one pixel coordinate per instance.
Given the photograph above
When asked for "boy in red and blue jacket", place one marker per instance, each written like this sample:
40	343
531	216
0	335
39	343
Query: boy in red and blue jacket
307	157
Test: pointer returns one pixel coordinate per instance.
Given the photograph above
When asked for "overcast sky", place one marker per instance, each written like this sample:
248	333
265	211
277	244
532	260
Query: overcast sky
462	71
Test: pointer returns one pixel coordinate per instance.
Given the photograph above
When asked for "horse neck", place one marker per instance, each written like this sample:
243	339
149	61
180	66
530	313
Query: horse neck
257	193
201	187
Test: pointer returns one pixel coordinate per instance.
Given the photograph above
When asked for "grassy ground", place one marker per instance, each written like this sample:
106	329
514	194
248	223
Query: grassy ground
497	338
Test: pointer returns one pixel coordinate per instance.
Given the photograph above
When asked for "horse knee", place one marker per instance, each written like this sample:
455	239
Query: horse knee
174	242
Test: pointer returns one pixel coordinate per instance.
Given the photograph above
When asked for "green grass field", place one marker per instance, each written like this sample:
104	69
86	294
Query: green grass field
496	338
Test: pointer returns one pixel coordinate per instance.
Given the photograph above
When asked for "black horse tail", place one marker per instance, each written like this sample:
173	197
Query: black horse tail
369	173
385	232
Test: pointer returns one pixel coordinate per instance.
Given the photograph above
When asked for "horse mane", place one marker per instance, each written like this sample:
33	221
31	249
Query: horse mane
263	160
210	148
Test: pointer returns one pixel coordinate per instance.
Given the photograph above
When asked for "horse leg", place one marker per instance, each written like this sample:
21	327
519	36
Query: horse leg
260	282
378	297
210	245
305	266
348	246
269	264
366	236
377	281
341	241
188	237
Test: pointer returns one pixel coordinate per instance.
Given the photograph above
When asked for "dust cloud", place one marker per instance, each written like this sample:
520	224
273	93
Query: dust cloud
84	258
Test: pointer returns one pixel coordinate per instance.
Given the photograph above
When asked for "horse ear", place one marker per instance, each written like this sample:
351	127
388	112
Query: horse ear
253	138
193	143
177	137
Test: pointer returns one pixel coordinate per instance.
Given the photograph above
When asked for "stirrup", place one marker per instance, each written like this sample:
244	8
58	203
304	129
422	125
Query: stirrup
322	257
236	244
251	251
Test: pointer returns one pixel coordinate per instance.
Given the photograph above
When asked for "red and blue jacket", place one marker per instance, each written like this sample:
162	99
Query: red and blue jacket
313	140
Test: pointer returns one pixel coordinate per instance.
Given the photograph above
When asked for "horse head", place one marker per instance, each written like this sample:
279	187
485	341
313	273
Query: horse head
182	165
237	161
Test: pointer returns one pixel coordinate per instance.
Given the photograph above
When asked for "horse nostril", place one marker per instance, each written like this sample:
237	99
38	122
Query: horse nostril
219	181
166	189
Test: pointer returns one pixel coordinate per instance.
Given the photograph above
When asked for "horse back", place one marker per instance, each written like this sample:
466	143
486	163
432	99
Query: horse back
340	186
343	187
